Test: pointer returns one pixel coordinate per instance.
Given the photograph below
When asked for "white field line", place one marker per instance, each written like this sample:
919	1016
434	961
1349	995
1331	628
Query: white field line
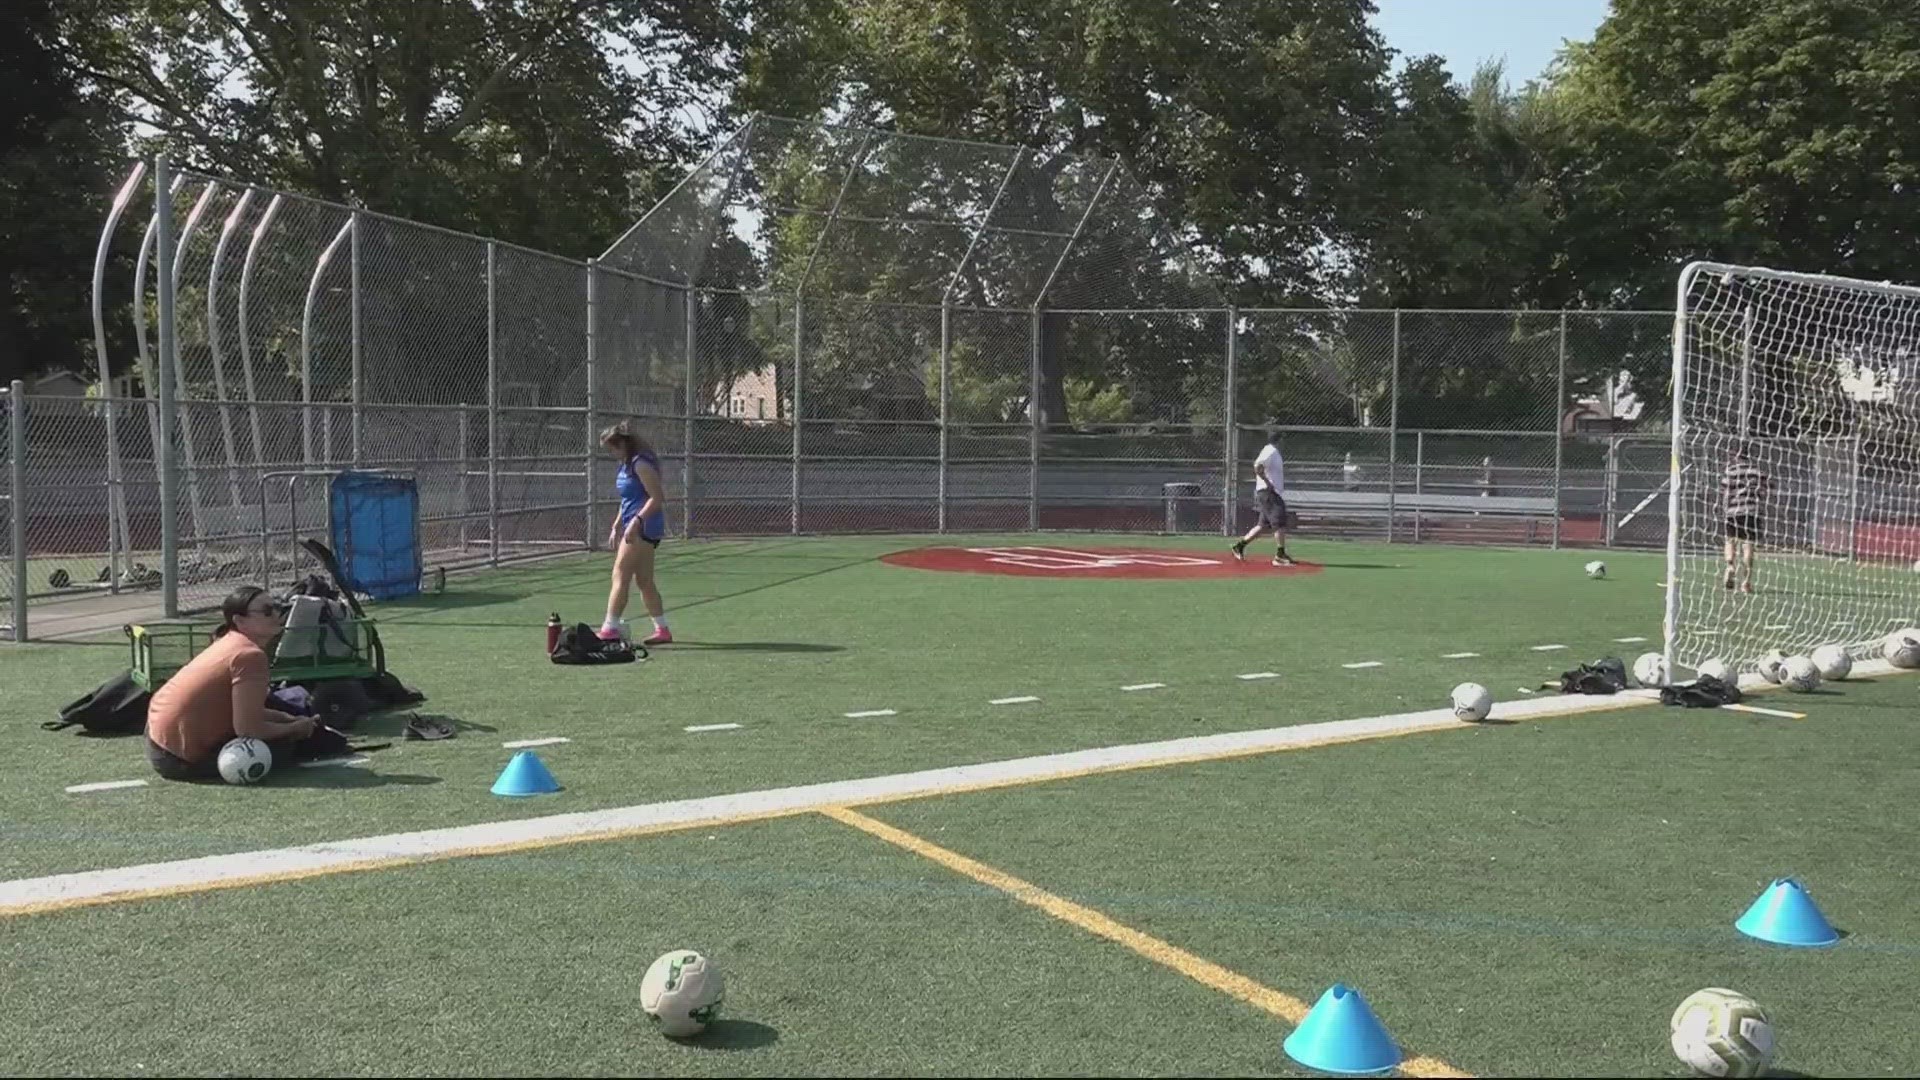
104	785
1362	664
1252	675
26	895
712	727
1021	700
1629	640
522	744
1143	686
1459	655
321	763
870	712
1547	648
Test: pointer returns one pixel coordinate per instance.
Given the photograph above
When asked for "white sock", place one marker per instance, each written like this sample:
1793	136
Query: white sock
659	622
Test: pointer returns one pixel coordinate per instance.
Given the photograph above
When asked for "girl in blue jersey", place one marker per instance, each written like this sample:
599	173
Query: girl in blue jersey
637	530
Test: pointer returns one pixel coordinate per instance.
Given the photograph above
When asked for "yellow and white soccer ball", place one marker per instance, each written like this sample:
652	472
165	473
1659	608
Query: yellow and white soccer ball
1719	1032
1596	569
245	760
1902	648
682	993
1800	674
1833	661
1773	666
1650	670
1472	702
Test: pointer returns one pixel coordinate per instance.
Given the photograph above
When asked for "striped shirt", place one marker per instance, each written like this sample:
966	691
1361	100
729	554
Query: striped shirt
1743	487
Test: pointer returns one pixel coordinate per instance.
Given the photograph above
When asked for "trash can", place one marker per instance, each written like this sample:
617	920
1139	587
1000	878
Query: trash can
1183	507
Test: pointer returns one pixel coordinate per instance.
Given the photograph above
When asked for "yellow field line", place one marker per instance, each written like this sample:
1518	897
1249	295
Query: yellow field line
1205	972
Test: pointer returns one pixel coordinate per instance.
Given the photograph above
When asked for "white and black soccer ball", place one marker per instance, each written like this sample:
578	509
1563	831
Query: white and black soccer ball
1472	702
1650	670
245	760
1720	1032
1800	674
1773	666
1596	569
682	993
1902	648
1834	661
1715	667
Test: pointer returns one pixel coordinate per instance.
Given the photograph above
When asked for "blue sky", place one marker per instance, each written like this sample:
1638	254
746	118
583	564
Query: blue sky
1527	32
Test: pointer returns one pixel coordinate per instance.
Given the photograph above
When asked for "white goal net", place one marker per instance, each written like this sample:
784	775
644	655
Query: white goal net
1798	396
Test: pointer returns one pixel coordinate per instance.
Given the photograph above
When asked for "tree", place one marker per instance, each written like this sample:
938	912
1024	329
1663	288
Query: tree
1776	132
56	164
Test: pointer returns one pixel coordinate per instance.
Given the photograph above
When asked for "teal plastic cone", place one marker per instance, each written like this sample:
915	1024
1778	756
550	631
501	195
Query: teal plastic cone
1786	915
1342	1036
526	774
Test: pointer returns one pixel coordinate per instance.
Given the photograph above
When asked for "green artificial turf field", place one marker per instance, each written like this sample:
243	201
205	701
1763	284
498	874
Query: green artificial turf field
1531	897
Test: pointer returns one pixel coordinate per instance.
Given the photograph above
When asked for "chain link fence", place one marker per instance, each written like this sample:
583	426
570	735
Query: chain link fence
821	330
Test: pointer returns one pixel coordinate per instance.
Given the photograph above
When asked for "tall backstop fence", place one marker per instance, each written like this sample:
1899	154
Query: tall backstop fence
821	330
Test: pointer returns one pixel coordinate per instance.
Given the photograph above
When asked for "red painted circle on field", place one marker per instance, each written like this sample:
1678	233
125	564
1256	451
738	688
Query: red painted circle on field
1075	561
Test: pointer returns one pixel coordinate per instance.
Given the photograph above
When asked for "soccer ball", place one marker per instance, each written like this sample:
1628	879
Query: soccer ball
1715	667
1902	648
1472	702
1596	569
1801	674
1833	661
245	760
1773	666
682	992
1650	670
1718	1032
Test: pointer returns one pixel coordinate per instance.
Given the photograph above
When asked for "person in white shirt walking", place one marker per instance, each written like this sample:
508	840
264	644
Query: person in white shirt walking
1269	495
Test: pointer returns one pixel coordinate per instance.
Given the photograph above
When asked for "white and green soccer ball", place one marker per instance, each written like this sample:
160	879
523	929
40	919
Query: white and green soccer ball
1800	674
1715	667
1596	569
1472	702
1773	666
1833	661
682	993
1719	1032
1902	647
1650	670
245	760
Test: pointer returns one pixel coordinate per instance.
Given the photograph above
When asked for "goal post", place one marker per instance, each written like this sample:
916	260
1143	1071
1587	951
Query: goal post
1816	380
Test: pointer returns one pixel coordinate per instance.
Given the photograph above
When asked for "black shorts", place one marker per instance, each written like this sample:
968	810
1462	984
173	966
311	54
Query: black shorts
1744	527
1273	508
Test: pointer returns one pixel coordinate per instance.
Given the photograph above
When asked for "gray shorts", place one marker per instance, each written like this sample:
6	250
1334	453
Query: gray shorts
1273	508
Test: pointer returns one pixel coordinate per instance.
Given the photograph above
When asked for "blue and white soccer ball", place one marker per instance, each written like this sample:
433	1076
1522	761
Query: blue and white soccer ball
682	993
1719	1032
245	760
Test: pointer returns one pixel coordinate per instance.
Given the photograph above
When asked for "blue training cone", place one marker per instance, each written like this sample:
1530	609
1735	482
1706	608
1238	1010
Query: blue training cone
1786	915
526	774
1341	1035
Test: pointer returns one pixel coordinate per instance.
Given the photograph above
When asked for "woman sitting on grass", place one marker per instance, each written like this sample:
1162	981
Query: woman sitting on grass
222	694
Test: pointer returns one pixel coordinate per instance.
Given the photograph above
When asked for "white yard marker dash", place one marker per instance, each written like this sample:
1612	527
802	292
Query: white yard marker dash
1526	689
104	785
1361	664
1547	648
870	712
521	744
1459	656
1629	640
1144	686
1252	675
356	759
711	727
1022	700
1767	712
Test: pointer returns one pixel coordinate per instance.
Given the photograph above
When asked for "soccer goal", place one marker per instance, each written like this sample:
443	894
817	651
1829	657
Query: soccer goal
1816	380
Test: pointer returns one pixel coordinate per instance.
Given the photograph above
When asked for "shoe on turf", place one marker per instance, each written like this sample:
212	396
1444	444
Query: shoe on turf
662	636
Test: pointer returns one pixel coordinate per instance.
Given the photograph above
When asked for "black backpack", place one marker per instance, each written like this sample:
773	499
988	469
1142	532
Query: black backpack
1705	692
580	645
1607	676
115	707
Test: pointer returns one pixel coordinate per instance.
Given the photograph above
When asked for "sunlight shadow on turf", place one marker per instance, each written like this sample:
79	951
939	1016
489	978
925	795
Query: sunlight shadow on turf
729	1034
393	724
345	776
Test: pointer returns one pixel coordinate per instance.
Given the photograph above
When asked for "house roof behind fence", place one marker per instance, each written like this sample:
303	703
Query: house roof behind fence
793	206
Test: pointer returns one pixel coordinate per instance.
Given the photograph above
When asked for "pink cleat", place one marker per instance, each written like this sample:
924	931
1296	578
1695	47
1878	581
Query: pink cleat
662	636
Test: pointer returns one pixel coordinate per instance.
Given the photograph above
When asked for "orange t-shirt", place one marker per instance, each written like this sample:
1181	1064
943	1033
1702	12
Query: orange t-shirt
192	715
